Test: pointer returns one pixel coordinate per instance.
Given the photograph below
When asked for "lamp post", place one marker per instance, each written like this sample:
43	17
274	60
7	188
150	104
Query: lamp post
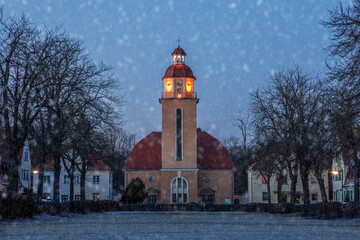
335	172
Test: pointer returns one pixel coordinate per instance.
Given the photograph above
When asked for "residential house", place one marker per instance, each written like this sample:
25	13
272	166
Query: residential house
98	182
257	188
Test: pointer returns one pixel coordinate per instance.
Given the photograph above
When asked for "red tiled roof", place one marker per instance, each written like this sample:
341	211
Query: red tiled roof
146	154
211	154
98	165
179	70
179	51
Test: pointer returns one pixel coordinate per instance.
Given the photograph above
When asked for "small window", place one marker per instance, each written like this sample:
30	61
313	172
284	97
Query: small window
152	199
64	198
24	174
207	199
151	179
314	197
265	196
77	197
96	179
46	196
66	179
46	179
264	179
206	179
77	179
96	196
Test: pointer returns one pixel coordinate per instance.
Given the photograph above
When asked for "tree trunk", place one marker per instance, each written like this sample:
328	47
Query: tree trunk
71	178
294	177
82	179
41	177
321	183
57	171
356	175
304	173
279	188
268	188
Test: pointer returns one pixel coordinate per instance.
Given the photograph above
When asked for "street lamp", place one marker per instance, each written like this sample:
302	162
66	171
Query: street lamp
335	172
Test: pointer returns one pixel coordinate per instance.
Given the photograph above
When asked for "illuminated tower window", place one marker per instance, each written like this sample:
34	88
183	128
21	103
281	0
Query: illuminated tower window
178	134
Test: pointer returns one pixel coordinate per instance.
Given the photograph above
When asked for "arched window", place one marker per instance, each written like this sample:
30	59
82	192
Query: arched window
179	190
179	133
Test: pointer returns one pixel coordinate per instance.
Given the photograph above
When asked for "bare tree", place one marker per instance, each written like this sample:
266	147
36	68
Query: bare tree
22	60
344	70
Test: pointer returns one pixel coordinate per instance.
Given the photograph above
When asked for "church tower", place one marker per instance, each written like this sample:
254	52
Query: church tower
179	136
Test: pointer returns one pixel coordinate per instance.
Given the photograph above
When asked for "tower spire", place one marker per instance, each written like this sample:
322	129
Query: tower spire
178	41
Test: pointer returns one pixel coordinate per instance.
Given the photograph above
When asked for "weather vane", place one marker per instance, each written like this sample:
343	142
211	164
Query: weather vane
179	42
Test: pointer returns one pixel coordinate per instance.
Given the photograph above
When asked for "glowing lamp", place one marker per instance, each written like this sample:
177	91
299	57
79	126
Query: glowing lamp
35	172
168	85
188	86
179	96
335	172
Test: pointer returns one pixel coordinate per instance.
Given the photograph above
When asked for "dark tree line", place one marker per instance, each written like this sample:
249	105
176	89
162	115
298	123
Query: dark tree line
53	93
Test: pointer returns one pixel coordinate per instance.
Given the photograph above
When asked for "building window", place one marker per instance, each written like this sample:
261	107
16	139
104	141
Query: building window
151	179
24	174
264	179
46	196
207	199
265	196
64	198
207	179
314	197
77	179
96	196
46	179
179	133
66	179
179	190
152	199
77	197
96	179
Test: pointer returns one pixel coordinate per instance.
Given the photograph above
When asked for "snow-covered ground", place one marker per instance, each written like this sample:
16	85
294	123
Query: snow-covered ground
179	225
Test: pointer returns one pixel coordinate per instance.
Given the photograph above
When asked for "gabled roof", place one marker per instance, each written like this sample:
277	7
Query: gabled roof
211	154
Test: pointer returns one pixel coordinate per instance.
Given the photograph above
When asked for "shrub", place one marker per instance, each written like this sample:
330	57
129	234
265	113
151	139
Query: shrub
13	205
136	192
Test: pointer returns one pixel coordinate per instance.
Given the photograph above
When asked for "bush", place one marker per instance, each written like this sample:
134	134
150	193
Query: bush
325	210
13	205
136	192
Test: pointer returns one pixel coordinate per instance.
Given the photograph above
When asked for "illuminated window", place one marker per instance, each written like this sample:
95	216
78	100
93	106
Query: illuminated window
96	196
179	190
178	134
264	179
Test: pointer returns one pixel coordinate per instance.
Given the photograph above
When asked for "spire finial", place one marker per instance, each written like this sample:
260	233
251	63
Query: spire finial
179	42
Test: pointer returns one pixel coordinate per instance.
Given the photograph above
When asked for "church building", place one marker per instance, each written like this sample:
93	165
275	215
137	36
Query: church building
181	164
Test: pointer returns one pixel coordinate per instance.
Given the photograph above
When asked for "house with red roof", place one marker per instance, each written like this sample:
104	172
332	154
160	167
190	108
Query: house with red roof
181	164
98	182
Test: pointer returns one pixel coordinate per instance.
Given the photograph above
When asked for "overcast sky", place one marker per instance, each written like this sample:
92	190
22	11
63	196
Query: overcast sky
232	47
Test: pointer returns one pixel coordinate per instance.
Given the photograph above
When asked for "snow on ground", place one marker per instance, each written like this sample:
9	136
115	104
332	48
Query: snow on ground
179	225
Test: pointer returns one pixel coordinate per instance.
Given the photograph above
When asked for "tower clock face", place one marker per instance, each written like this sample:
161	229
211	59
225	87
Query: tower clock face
179	83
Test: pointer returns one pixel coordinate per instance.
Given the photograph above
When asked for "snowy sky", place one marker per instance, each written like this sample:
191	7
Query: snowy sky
231	46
